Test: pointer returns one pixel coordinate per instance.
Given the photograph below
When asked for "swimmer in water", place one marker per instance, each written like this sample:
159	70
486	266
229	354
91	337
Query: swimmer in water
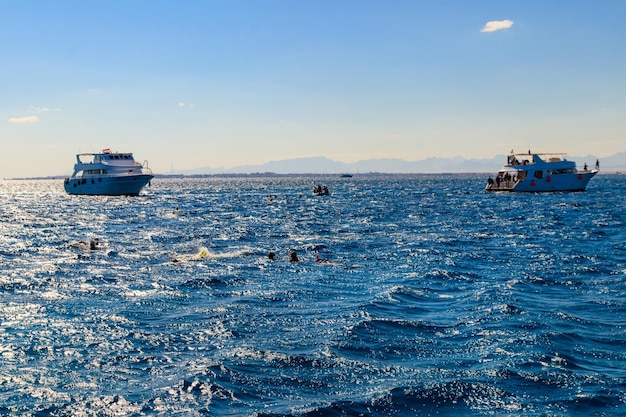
293	257
93	244
271	256
203	254
322	261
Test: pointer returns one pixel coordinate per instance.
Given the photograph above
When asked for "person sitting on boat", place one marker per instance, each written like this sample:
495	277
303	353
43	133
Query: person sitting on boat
585	167
489	182
325	190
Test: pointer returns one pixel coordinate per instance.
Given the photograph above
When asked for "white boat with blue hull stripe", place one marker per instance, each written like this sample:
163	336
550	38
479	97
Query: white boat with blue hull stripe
108	173
541	172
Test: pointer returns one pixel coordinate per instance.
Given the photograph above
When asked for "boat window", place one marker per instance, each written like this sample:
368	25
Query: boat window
539	174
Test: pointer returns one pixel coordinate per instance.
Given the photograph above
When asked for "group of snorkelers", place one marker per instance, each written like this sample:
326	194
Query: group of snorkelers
319	190
94	244
293	257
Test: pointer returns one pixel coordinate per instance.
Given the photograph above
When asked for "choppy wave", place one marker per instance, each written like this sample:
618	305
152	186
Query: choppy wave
438	298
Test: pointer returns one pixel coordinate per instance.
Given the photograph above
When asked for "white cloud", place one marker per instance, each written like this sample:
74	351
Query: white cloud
33	109
25	119
495	25
182	104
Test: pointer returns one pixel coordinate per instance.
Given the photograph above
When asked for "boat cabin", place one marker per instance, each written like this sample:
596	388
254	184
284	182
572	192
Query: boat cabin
119	159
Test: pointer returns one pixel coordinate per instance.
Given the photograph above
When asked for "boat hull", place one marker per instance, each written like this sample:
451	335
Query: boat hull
111	185
563	182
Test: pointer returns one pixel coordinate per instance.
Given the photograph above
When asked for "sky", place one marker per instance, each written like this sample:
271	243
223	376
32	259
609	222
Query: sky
216	83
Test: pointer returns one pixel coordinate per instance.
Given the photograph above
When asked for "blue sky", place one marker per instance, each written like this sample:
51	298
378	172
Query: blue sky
190	84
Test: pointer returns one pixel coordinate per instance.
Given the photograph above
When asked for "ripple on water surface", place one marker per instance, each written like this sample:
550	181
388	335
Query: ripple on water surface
438	299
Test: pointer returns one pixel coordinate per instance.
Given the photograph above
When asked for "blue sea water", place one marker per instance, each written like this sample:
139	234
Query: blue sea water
441	299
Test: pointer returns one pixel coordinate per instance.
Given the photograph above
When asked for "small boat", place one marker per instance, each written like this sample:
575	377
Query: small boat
107	173
540	172
346	175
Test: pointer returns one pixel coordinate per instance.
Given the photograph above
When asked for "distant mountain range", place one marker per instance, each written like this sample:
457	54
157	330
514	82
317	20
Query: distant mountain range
323	165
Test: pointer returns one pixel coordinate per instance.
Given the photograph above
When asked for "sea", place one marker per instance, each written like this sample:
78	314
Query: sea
434	297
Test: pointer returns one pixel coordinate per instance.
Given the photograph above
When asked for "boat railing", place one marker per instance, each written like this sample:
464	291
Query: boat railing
146	167
133	171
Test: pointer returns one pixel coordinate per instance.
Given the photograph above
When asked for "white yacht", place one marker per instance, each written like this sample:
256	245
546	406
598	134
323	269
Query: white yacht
541	172
107	173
